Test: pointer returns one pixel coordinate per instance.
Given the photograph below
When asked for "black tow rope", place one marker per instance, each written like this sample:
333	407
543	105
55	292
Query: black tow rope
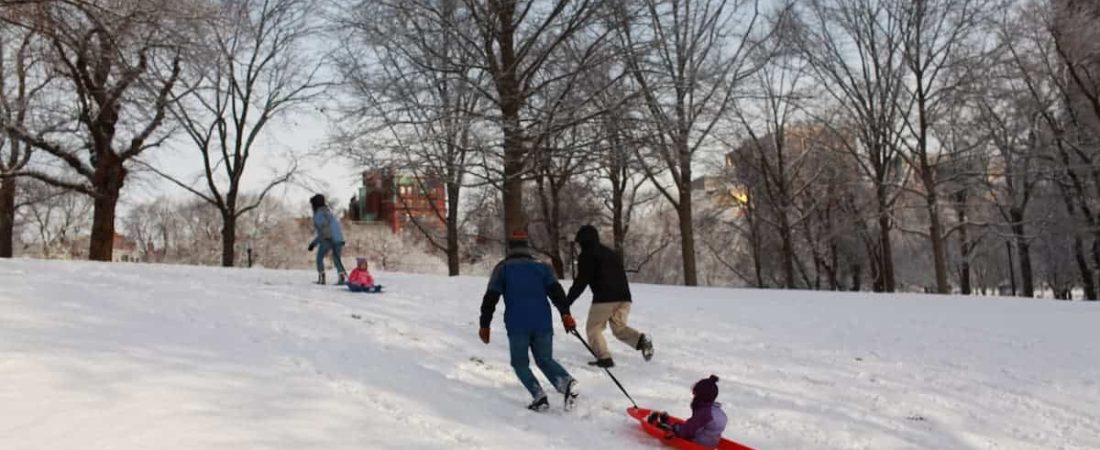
616	380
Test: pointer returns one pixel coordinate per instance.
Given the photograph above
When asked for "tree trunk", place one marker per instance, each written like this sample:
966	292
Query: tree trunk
964	266
512	191
886	263
7	216
101	247
553	228
109	178
229	239
1023	248
964	243
754	242
1011	267
618	228
453	262
787	248
1083	267
687	235
511	101
557	262
939	251
834	267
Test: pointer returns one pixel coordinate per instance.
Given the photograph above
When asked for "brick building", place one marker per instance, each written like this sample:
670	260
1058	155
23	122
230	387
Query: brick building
395	198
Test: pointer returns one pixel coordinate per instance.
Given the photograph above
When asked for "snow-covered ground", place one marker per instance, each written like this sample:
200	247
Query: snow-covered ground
99	356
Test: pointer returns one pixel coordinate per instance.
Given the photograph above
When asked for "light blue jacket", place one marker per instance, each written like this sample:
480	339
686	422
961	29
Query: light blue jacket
326	226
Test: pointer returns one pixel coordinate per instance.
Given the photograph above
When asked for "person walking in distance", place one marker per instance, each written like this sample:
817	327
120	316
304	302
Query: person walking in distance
601	268
525	284
329	237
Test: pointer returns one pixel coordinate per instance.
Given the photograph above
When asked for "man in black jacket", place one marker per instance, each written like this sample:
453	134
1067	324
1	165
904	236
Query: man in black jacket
602	269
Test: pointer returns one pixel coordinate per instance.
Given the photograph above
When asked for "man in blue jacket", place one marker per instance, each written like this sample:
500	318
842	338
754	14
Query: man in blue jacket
329	236
525	284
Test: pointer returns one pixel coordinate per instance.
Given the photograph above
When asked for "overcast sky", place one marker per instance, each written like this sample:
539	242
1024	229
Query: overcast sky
300	133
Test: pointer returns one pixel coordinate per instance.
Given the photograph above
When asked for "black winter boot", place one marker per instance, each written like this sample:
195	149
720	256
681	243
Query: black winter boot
645	345
539	405
341	279
320	278
570	395
659	419
605	363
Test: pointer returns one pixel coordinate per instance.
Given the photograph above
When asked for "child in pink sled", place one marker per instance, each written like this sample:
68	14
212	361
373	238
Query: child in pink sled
360	279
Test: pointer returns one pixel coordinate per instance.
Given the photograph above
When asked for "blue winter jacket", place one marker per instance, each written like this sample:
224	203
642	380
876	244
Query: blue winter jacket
326	226
525	284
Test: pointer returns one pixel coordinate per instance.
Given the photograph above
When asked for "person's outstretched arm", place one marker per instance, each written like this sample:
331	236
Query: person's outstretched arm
586	271
492	296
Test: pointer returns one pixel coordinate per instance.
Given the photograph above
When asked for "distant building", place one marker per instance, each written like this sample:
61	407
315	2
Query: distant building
721	189
395	198
125	250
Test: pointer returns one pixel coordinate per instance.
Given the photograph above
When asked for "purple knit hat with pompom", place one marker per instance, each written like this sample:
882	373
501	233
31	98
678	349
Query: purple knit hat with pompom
706	390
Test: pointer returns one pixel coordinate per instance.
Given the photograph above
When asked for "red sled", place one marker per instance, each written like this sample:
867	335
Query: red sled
683	444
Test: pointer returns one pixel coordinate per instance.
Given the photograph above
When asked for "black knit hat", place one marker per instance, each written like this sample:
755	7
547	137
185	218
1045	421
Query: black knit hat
587	235
706	390
317	201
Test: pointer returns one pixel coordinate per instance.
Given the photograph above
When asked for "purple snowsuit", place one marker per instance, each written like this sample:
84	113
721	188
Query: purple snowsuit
705	426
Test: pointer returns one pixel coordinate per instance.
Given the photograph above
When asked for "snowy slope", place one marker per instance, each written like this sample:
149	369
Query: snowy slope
97	356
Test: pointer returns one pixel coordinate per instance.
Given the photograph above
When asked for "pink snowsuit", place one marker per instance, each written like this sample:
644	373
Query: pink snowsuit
360	278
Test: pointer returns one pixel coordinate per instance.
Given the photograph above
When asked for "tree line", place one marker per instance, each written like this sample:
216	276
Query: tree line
885	145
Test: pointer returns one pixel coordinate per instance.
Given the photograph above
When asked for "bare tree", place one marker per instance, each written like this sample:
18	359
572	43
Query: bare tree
510	43
254	66
687	59
944	50
121	68
855	48
1045	46
141	226
23	79
567	142
625	177
515	40
618	133
779	153
1011	116
59	218
562	195
407	111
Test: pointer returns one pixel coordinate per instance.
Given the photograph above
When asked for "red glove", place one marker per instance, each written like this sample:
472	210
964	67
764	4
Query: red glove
569	323
484	334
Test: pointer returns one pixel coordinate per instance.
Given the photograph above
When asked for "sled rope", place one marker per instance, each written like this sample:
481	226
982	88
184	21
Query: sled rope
616	380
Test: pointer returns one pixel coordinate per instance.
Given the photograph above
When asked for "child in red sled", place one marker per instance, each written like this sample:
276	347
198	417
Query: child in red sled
360	279
707	421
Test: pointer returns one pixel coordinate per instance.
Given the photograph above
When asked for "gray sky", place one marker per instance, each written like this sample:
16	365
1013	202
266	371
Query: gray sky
301	134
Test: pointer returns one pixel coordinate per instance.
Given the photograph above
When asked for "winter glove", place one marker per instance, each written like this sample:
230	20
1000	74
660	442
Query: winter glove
484	334
569	323
312	245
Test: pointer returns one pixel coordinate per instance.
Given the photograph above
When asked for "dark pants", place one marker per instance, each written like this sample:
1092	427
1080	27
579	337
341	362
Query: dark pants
361	288
335	248
541	346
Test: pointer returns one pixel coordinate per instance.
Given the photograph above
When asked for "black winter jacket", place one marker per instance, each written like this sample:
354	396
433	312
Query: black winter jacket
599	267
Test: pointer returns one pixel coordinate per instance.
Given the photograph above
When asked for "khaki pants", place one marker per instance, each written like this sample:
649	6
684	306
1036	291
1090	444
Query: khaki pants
616	313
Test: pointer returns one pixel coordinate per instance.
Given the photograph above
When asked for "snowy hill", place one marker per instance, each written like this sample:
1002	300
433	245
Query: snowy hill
99	356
